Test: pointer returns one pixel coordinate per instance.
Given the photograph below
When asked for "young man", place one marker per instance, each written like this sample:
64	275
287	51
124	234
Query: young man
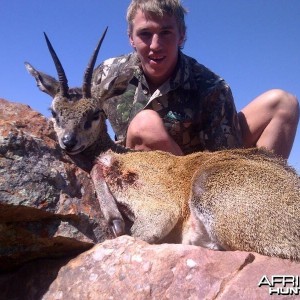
173	103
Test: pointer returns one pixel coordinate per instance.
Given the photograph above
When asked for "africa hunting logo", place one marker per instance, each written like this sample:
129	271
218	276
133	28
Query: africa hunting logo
281	284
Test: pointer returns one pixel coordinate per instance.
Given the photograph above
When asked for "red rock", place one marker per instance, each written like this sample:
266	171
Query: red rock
47	203
132	269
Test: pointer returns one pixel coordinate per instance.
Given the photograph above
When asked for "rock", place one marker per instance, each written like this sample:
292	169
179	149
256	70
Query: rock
132	269
47	203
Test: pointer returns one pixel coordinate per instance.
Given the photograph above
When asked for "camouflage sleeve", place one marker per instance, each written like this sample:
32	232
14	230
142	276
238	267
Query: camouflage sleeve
222	129
102	71
124	65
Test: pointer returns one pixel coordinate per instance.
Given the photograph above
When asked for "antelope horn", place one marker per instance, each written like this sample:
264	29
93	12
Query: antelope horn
87	79
63	81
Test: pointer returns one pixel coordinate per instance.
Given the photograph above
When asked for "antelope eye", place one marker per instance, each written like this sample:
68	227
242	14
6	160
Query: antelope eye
96	115
55	116
87	124
53	113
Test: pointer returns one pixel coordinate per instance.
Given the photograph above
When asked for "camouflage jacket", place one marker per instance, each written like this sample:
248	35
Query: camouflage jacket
195	104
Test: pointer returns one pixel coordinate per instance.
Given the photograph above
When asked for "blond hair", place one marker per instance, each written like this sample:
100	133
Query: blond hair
157	8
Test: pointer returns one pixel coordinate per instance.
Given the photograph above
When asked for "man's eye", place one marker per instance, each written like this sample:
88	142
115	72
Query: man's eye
165	32
144	34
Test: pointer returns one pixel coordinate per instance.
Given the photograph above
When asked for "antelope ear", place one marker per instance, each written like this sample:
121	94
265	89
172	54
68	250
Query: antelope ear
45	83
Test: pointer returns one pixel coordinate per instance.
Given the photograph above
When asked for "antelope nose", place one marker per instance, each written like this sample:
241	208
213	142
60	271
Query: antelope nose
69	140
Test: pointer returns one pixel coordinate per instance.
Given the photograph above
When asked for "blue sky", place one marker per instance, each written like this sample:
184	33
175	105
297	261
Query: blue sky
253	44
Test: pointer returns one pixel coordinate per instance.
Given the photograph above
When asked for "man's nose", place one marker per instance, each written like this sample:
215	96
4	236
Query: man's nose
155	42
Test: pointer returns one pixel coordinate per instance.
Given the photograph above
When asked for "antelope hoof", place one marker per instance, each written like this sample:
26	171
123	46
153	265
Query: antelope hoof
118	227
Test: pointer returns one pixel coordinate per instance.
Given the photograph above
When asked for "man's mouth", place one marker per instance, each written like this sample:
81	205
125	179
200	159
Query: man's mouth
156	59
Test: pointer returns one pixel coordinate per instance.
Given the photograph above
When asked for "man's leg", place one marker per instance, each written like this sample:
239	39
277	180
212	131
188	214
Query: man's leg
147	132
270	121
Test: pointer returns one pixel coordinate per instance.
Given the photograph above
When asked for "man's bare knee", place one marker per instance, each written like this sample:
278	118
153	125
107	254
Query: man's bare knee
284	101
147	132
144	121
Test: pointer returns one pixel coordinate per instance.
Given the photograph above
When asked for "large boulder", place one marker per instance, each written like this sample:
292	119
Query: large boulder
48	206
131	269
128	268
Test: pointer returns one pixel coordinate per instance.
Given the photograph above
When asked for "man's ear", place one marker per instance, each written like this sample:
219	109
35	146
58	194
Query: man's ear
181	39
131	40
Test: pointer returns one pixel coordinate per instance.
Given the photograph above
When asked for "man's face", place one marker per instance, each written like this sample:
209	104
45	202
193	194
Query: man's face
156	41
